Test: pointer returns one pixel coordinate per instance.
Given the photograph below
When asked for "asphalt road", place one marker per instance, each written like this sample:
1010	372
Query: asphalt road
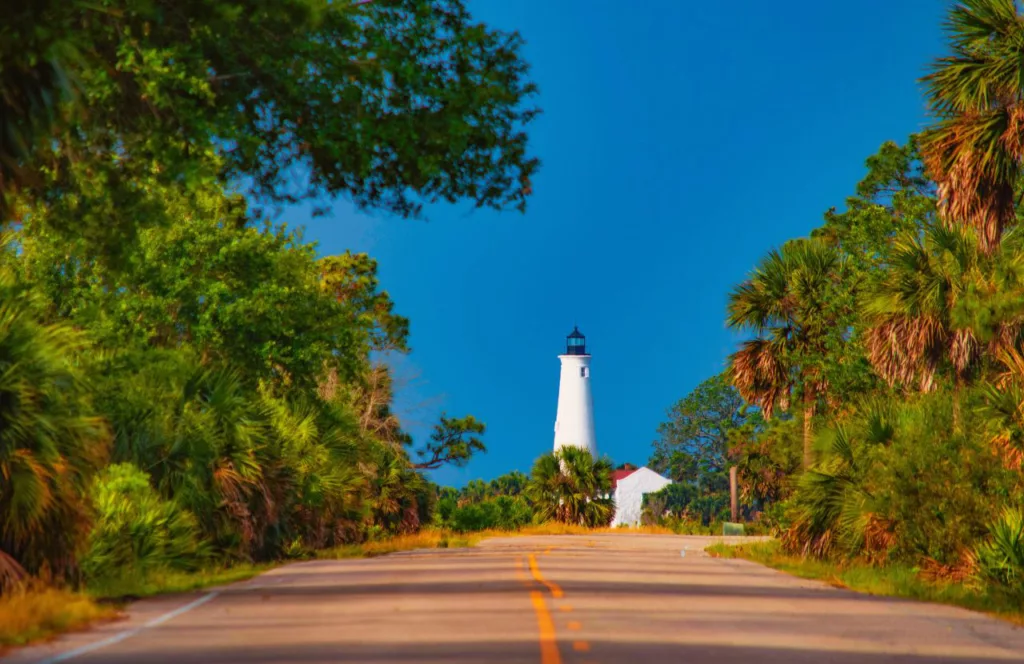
573	600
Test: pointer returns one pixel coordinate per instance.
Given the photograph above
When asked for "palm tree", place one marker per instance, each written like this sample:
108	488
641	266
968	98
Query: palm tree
911	309
571	486
786	303
50	443
395	490
975	150
922	315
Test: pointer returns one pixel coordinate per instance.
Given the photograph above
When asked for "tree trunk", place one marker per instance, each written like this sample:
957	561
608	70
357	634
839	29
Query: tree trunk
733	501
809	399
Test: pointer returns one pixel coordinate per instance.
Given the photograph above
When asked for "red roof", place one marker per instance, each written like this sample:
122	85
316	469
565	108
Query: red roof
621	475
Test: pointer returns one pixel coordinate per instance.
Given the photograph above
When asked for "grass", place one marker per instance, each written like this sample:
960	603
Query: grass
36	613
168	582
890	580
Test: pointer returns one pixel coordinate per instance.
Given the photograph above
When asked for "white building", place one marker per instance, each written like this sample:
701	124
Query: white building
629	489
574	426
574	422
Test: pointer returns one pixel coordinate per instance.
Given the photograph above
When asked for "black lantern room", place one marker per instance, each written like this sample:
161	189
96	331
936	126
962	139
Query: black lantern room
575	343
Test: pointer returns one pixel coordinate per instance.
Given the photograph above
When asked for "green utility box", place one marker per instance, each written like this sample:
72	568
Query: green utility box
732	529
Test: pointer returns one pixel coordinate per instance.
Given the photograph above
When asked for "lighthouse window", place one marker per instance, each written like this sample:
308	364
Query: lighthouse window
584	372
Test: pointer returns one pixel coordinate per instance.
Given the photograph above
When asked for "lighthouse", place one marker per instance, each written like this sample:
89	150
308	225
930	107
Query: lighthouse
574	423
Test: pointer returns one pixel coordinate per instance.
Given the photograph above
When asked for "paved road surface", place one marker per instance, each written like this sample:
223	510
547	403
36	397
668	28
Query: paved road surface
573	600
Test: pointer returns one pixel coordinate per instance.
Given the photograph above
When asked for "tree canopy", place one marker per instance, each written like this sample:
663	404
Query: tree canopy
693	442
390	103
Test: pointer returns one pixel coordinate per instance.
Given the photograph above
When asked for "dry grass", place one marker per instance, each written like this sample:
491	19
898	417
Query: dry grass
443	539
425	539
39	612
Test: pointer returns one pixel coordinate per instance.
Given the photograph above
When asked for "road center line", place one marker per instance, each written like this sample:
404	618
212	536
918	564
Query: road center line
546	626
127	634
556	591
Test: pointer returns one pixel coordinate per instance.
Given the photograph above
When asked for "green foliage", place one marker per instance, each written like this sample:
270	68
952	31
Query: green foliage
501	513
242	371
509	484
684	509
898	482
1000	557
908	302
693	441
570	486
253	298
136	532
512	513
453	440
798	304
675	498
767	456
391	104
50	440
473	516
894	197
499	504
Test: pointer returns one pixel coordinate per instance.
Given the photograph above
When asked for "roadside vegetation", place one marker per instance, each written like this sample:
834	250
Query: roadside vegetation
34	612
189	390
874	410
895	580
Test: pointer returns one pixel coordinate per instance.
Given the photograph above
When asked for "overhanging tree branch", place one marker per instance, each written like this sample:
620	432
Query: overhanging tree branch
454	441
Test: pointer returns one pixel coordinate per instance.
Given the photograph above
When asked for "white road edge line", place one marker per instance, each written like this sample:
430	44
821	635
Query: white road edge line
127	634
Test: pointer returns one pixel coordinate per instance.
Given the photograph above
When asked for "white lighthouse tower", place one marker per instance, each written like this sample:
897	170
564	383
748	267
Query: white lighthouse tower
574	423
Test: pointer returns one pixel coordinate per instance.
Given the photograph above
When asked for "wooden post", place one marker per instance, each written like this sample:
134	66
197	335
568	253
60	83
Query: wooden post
733	502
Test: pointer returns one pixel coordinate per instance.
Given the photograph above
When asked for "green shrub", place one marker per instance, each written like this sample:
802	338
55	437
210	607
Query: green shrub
1000	557
502	513
444	512
511	512
899	482
772	520
136	532
474	516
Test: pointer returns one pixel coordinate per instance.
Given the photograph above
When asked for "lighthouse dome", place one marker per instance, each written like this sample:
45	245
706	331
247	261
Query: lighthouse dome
576	343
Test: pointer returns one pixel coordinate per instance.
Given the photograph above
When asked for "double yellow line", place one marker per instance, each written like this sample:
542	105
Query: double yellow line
549	653
556	590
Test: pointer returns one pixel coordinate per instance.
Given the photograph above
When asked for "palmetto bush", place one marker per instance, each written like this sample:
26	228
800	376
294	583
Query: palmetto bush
136	532
196	431
898	481
50	442
1000	557
261	473
313	474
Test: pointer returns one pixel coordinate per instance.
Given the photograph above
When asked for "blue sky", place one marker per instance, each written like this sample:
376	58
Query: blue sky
680	142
